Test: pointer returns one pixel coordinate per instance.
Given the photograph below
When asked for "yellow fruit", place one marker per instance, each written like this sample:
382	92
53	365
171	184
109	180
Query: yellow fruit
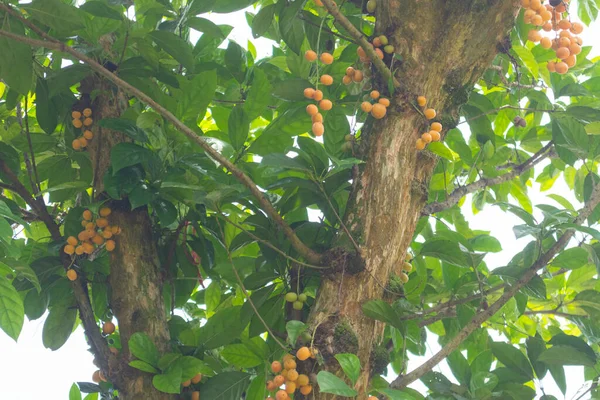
88	135
71	274
108	328
436	126
289	364
305	390
426	137
87	112
72	241
435	136
422	101
69	249
292	375
196	379
325	105
302	380
403	277
87	214
79	250
278	380
303	353
366	106
318	95
311	109
88	122
326	58
407	267
310	55
374	94
430	113
378	111
76	145
385	102
309	93
110	245
546	43
76	115
318	129
290	387
420	144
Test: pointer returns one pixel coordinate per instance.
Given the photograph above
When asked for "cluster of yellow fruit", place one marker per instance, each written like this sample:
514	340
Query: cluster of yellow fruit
315	94
195	380
406	268
81	120
377	110
434	133
550	18
298	300
287	374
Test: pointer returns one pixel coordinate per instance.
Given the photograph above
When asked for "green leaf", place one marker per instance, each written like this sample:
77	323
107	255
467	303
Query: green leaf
24	271
99	9
565	355
382	311
292	89
291	27
190	367
294	329
512	358
170	381
528	59
225	386
35	304
350	364
58	326
239	127
396	394
127	154
178	48
142	347
16	63
12	312
205	25
126	126
259	95
57	15
571	141
241	356
571	258
74	393
329	383
336	128
45	111
445	250
263	20
143	366
166	211
257	389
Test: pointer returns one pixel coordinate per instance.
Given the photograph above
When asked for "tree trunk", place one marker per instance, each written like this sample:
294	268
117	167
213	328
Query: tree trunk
446	46
135	279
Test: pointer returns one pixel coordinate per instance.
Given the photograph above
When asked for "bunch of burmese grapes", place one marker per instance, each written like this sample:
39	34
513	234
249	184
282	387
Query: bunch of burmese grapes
406	268
315	94
287	376
82	120
435	129
377	110
97	232
297	300
551	18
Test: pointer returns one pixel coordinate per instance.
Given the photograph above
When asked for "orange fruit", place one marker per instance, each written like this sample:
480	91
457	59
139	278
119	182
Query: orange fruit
430	113
547	26
196	379
537	20
87	112
361	52
302	380
436	126
292	375
374	94
309	93
89	135
76	115
563	53
326	80
102	222
426	137
72	241
184	383
289	364
79	250
318	117
420	144
88	248
71	274
69	249
87	214
311	109
82	236
290	387
379	53
385	102
107	233
98	240
310	55
271	387
546	15
564	42
89	225
278	380
535	4
77	123
83	142
303	353
564	24
525	3
373	398
575	49
305	390
88	122
108	328
318	129
116	230
326	58
534	36
325	105
577	28
318	95
358	76
76	145
377	42
281	395
276	367
366	106
551	66
196	395
546	43
378	111
571	61
105	211
422	101
435	136
346	80
110	245
96	377
350	71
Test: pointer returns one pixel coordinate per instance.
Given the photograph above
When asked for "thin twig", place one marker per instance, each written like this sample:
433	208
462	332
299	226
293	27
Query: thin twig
266	205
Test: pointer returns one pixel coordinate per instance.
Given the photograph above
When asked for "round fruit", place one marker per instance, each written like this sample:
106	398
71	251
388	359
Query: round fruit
378	111
87	214
71	274
278	380
366	106
564	42
346	80
373	398
374	94
326	80
289	364
318	117
379	53
551	66
302	297
88	122
77	123
290	387
371	6
291	297
108	328
96	377
79	250
571	61
577	28
426	137
185	383
76	144
83	142
326	58
563	53
276	367
292	375
435	136
358	76
102	222
389	49
430	113
110	245
361	52
88	248
72	241
105	211
546	43
385	102
98	240
408	257
325	105
89	226
537	20
69	249
407	267
271	387
303	353
311	109
298	305
422	101
384	40
403	277
562	68
302	380
89	135
87	112
547	26
116	230
281	395
377	42
436	126
196	379
318	95
196	395
420	144
309	93
350	71
575	49
310	55
305	390
76	114
107	233
318	129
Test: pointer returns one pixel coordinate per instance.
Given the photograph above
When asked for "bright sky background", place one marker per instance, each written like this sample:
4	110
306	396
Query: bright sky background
29	371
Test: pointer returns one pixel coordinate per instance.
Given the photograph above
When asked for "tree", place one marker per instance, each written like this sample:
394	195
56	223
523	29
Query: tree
136	164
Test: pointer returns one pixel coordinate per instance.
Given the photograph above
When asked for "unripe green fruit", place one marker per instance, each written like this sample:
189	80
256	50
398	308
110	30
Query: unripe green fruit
348	138
347	146
298	305
389	49
371	6
384	40
302	297
291	297
407	267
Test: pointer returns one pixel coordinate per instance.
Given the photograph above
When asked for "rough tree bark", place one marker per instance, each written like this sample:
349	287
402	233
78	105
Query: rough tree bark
135	279
446	46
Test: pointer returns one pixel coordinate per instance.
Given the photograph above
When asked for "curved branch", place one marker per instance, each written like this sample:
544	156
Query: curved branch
403	381
266	205
361	40
459	193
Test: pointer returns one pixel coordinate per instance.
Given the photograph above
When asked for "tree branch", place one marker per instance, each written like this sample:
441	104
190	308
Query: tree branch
362	41
404	380
266	205
459	193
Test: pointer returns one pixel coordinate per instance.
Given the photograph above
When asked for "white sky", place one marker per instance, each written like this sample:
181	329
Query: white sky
29	371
